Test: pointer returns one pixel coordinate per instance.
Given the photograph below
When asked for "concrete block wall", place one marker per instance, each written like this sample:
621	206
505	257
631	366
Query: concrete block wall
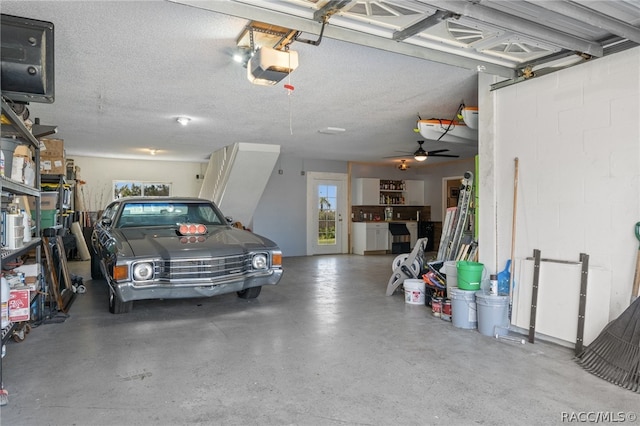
576	134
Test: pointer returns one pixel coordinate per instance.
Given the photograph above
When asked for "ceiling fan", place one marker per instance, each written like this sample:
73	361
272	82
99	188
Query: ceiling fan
420	154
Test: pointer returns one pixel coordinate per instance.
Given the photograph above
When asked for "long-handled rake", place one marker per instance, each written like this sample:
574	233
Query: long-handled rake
615	354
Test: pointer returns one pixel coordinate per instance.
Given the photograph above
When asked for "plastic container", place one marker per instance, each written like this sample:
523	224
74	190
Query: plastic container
451	273
47	218
8	146
469	275
463	308
414	291
493	314
503	279
494	284
26	222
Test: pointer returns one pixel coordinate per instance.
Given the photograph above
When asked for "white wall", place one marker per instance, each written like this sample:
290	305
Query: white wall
99	174
576	133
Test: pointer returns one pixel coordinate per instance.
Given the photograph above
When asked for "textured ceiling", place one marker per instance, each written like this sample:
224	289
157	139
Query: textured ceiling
124	71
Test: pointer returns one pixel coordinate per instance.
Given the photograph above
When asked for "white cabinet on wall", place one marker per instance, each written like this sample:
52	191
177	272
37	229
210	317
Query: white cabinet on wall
367	192
414	194
370	237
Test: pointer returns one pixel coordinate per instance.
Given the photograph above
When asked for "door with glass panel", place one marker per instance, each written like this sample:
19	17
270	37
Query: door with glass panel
326	232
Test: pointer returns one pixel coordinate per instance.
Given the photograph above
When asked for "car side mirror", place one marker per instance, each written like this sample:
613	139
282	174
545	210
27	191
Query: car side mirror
229	220
106	221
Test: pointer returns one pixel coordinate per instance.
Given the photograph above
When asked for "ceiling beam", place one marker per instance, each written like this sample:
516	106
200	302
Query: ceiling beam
435	19
254	13
594	18
517	25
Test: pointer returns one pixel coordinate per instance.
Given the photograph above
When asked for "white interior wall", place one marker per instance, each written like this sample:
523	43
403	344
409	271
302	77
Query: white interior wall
576	133
99	174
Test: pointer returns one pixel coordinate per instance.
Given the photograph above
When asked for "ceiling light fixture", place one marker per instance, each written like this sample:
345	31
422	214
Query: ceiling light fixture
420	155
331	130
183	120
403	166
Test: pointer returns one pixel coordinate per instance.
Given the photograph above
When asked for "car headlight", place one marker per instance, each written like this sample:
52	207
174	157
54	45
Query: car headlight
143	271
259	261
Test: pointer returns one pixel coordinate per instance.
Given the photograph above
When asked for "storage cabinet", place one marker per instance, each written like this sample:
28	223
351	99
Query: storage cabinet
370	237
384	192
414	194
366	192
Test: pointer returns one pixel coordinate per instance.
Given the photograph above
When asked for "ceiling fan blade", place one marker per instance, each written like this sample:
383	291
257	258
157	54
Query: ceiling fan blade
443	155
437	151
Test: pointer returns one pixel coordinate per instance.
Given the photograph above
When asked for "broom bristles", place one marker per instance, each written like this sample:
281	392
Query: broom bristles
615	354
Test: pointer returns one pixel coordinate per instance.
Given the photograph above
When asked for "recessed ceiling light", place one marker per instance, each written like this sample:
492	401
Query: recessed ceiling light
183	120
331	130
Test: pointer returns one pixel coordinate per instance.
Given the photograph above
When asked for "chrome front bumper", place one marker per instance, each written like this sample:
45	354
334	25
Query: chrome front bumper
128	291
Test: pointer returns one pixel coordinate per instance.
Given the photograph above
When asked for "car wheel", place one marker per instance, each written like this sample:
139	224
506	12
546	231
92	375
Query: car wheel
117	306
96	273
250	293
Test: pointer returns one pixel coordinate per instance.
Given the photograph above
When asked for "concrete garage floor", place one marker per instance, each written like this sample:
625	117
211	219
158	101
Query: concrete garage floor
324	347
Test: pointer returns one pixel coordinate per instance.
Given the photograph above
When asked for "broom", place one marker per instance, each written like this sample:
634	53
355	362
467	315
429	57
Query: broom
615	354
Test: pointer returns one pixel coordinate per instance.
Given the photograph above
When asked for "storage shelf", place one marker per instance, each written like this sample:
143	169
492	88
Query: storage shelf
7	254
14	128
17	187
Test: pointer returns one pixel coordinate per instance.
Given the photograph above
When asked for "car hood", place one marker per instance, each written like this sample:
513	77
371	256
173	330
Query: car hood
166	243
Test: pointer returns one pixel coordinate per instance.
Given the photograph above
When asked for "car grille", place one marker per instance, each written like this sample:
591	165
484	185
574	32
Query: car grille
204	269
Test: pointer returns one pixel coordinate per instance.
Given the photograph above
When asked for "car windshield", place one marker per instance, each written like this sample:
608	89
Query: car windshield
167	214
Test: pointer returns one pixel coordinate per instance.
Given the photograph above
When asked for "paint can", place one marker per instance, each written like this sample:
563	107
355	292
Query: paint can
436	306
446	310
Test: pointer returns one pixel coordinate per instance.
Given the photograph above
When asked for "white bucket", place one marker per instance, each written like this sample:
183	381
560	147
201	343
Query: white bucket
451	272
414	291
463	308
493	314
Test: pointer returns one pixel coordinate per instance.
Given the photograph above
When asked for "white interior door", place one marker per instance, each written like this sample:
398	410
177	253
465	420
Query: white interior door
326	213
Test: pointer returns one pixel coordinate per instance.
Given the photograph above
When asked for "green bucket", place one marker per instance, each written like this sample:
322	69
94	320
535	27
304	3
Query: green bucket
469	275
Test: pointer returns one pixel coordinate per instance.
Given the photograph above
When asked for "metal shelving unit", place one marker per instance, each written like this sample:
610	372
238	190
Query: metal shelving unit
13	127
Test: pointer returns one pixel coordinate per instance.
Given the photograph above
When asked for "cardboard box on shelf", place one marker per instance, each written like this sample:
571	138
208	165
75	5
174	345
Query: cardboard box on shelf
22	166
31	272
52	160
19	306
52	166
51	148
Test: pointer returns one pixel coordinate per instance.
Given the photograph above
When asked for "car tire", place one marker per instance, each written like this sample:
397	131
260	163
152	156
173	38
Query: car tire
250	293
96	272
117	306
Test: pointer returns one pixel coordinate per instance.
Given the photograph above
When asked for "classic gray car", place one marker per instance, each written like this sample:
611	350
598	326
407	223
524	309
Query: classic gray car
170	248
